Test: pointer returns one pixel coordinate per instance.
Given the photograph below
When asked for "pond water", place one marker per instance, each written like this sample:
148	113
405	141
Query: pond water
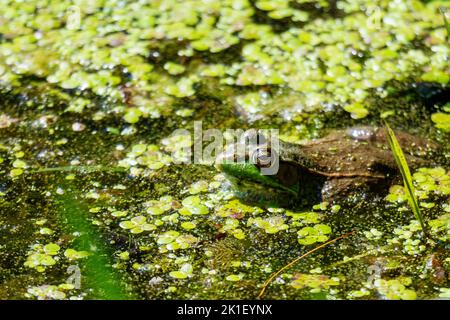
94	206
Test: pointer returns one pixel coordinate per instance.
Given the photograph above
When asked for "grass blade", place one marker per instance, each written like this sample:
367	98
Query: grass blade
406	174
447	25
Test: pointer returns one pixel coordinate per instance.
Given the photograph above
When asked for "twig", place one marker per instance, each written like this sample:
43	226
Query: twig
273	276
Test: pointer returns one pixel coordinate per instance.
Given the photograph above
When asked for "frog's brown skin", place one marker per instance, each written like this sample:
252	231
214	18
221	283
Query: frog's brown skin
357	159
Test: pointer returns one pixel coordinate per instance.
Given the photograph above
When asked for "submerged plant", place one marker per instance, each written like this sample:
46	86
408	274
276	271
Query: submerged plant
98	272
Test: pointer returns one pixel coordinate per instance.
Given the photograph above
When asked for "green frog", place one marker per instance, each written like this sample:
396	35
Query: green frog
344	163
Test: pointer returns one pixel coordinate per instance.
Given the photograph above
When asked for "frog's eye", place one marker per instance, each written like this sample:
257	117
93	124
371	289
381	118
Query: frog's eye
263	157
261	139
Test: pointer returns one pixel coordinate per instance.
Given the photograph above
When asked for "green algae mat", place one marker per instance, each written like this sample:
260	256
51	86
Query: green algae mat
98	102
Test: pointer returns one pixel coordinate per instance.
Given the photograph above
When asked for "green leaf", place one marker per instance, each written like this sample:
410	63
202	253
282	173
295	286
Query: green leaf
406	174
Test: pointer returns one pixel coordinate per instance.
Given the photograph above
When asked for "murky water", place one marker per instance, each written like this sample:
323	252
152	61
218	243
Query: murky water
92	206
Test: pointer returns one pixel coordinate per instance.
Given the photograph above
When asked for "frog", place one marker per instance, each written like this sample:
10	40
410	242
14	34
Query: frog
346	163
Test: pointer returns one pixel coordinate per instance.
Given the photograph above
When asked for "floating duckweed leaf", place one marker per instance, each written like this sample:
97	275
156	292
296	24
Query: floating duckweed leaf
172	240
184	112
359	293
177	142
409	236
119	214
168	237
158	207
46	231
51	249
304	217
191	201
235	208
395	289
396	194
187	268
40	260
436	76
19	164
373	234
15	172
124	255
321	206
441	120
183	88
192	205
138	149
427	205
132	115
198	187
250	102
188	225
238	233
444	292
178	274
174	68
310	235
216	70
137	224
144	156
446	207
234	277
46	292
315	282
270	225
427	181
73	254
357	110
386	114
441	227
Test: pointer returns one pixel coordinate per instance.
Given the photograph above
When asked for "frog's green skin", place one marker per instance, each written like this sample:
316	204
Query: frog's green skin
344	162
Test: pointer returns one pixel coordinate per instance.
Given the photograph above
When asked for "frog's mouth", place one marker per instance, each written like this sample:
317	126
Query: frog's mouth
249	181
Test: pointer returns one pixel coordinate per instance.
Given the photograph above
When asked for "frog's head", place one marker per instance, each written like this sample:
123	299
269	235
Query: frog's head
262	171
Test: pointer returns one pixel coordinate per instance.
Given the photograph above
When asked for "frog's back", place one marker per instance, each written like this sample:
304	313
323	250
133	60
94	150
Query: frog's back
364	151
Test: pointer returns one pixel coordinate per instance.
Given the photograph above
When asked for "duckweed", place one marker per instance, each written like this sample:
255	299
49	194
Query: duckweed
270	225
73	254
236	208
172	240
185	271
428	181
310	235
315	283
441	120
158	207
49	292
137	224
42	256
445	292
234	277
192	205
395	289
289	58
142	157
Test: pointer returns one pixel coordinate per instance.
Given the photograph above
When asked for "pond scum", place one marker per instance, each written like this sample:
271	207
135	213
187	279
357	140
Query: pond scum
93	206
